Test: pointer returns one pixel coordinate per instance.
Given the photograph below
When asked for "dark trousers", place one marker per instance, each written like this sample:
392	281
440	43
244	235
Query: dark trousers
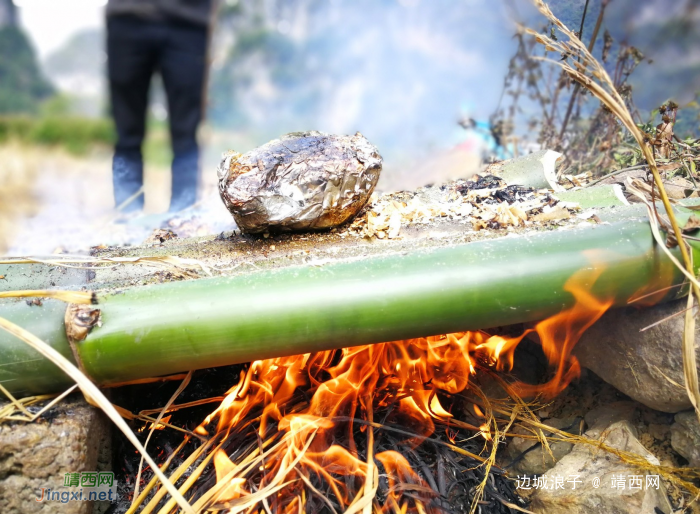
136	48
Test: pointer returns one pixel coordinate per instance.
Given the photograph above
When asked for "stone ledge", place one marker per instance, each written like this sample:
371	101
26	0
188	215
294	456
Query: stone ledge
72	437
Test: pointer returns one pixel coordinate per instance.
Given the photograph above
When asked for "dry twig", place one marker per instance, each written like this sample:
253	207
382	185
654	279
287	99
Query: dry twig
590	74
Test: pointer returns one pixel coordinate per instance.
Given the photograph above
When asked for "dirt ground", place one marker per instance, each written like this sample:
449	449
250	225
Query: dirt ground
50	199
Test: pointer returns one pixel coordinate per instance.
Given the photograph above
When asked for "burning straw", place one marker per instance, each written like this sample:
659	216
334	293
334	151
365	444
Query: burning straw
392	427
301	433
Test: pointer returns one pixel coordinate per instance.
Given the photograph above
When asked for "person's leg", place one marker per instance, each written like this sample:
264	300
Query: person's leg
131	59
182	65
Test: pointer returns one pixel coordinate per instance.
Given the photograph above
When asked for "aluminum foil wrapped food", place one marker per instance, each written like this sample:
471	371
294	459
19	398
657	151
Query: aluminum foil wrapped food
301	181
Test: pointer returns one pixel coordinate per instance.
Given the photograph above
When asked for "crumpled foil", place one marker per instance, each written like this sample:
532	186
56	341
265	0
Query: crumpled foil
301	181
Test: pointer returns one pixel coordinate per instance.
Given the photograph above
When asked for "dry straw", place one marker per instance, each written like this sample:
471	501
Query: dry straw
587	71
94	396
578	62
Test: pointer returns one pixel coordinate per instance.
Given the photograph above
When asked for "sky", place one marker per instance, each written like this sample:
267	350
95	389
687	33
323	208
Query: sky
50	23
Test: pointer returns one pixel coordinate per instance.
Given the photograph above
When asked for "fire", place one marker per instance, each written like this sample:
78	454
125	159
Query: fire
560	333
314	414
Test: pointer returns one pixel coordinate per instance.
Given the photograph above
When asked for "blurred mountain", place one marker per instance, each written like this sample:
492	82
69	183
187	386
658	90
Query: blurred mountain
82	54
403	71
8	13
400	71
78	70
667	33
22	85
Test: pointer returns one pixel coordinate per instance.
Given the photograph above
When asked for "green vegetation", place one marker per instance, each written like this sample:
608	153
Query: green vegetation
57	127
22	85
76	134
156	146
30	112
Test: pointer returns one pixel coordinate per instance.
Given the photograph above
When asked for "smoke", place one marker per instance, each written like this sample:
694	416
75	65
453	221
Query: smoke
400	72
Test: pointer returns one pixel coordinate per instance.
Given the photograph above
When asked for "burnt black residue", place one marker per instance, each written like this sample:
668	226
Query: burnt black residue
485	182
500	192
512	194
453	477
503	193
206	383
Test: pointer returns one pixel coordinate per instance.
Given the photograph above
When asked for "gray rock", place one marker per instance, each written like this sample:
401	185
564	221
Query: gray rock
645	365
37	455
528	457
538	461
590	465
602	417
659	432
302	181
685	437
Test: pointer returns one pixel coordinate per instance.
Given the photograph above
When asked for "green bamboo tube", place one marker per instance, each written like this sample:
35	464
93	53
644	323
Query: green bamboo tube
178	326
24	371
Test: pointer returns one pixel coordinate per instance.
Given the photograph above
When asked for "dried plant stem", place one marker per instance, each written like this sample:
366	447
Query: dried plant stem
149	487
93	394
154	424
491	459
604	89
558	435
574	94
177	265
370	485
207	450
614	173
675	314
7	413
690	371
79	297
177	407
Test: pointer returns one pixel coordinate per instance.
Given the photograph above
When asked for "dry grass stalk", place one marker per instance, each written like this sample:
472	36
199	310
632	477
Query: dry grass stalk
516	412
590	74
690	372
16	410
190	461
79	297
178	266
95	397
156	423
179	406
289	461
166	378
682	477
526	419
500	417
487	428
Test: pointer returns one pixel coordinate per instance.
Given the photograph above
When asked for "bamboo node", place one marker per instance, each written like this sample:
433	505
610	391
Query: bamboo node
80	320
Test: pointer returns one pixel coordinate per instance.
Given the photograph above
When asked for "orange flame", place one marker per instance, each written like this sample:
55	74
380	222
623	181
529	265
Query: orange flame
319	399
560	333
